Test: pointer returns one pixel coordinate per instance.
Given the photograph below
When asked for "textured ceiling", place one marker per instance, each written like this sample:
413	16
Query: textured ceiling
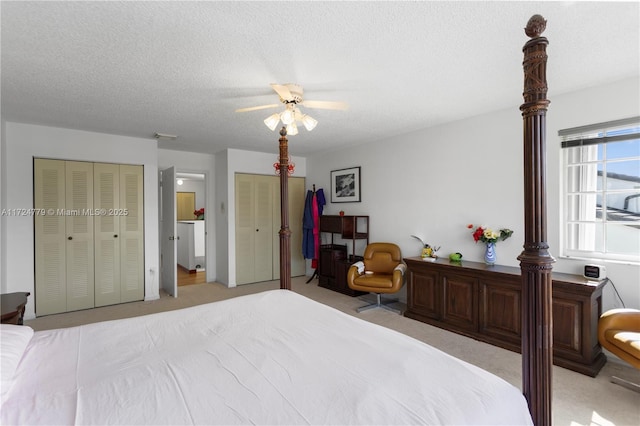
137	68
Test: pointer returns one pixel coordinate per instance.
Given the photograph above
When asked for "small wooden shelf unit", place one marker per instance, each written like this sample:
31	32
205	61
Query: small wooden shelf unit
334	259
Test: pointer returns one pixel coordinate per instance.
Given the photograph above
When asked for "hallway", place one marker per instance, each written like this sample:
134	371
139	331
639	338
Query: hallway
186	278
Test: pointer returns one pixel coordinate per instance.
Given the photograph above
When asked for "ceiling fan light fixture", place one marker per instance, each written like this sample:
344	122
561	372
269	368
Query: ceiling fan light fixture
287	116
309	122
272	121
292	129
291	95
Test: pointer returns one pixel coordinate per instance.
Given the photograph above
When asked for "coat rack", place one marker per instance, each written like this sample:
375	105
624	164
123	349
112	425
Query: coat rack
315	272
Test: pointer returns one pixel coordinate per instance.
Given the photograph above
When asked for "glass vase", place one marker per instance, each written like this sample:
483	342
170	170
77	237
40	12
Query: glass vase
490	254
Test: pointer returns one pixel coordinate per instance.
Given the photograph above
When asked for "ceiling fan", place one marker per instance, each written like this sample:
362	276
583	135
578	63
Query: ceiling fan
291	95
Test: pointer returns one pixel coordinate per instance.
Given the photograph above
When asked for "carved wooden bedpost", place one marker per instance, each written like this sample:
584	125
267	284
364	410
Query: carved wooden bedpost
285	233
536	263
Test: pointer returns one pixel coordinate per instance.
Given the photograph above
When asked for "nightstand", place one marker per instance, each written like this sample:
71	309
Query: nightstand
13	305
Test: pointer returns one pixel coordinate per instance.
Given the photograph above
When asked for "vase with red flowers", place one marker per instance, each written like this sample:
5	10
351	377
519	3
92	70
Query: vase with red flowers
490	238
199	214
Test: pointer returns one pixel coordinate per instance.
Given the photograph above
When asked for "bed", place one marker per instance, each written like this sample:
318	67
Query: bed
274	357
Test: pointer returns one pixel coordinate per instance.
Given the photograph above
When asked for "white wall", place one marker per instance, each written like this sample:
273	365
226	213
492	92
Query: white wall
221	217
23	143
191	162
238	161
3	204
434	182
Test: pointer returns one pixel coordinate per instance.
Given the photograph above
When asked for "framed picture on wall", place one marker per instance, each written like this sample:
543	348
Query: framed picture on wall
345	185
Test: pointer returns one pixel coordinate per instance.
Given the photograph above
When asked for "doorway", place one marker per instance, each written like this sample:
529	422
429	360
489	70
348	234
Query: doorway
191	228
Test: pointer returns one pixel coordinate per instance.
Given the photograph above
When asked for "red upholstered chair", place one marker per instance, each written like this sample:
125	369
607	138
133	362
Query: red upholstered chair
619	333
381	271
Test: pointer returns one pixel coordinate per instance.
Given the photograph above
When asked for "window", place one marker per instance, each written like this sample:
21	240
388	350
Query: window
600	217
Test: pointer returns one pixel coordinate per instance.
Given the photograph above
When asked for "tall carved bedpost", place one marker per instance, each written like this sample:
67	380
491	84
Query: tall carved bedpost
285	233
536	263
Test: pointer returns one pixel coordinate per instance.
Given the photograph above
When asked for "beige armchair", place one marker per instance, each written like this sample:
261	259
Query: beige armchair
381	272
619	333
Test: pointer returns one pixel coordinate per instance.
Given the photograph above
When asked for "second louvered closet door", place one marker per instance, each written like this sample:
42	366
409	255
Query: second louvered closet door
79	229
107	234
131	234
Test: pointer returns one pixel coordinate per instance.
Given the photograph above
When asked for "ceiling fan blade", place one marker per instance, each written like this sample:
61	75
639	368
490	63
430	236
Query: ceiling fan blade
255	108
282	91
326	105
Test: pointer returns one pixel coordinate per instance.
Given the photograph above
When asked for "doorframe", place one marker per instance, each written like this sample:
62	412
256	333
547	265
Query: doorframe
163	235
209	218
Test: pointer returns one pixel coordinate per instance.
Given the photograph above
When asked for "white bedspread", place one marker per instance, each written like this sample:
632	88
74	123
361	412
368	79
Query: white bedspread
270	358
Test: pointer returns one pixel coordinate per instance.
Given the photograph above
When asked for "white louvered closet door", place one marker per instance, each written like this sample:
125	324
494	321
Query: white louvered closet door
50	237
131	216
258	226
89	247
296	186
254	228
107	233
265	234
245	228
79	229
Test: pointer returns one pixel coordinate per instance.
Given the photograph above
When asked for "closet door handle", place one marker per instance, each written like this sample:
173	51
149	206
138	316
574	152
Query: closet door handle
115	236
69	238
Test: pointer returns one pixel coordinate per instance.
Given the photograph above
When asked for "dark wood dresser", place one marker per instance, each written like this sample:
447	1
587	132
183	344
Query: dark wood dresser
484	302
13	306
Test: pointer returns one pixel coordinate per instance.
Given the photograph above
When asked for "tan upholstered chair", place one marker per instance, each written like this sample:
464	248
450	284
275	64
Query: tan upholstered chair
381	271
619	333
